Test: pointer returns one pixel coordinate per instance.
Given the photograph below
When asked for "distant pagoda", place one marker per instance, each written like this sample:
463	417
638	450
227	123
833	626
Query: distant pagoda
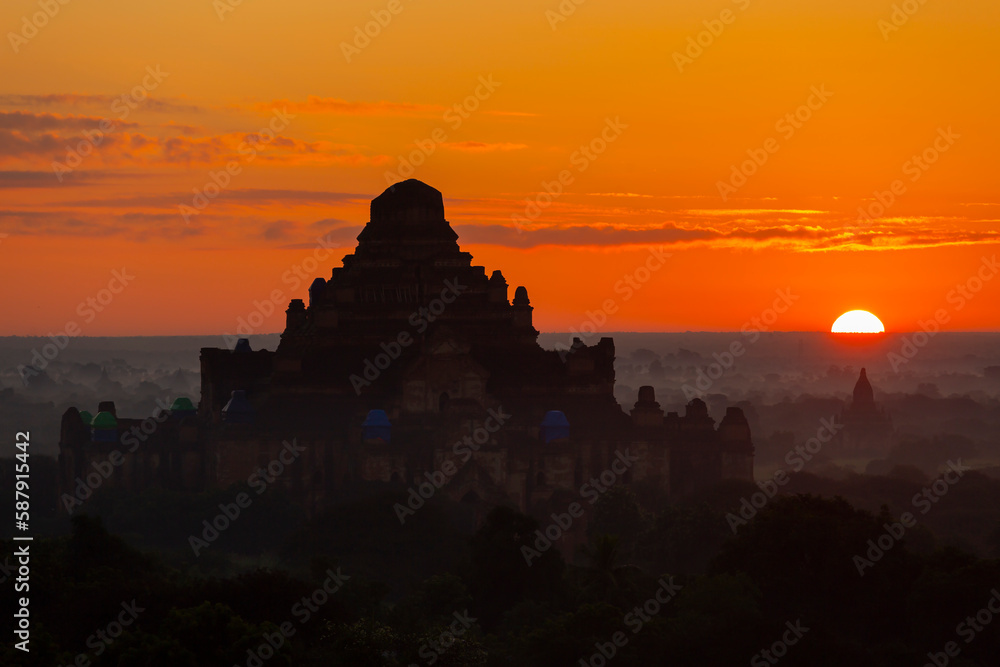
867	426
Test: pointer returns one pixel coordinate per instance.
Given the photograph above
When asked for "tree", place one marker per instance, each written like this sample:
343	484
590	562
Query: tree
501	574
618	513
821	559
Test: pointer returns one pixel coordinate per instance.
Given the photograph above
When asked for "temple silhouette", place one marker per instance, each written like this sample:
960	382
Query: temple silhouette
409	361
868	427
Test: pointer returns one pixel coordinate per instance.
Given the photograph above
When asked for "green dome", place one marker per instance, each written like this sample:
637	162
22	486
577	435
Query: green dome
182	404
86	418
105	420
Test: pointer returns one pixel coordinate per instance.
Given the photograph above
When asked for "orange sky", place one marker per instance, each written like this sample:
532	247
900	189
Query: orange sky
666	123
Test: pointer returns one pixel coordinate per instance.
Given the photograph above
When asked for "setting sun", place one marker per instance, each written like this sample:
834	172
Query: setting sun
858	321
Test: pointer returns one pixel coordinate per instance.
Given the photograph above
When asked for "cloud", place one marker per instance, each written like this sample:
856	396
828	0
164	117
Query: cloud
480	147
47	179
14	143
142	149
114	147
254	197
36	122
577	235
333	105
34	179
153	217
314	104
189	130
519	114
337	238
278	230
333	223
618	194
133	225
580	222
154	104
722	212
224	227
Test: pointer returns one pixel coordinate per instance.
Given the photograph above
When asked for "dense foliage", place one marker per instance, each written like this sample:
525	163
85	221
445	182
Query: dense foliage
652	581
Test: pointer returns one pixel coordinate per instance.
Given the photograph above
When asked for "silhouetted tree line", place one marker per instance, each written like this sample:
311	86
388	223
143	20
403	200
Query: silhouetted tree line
424	593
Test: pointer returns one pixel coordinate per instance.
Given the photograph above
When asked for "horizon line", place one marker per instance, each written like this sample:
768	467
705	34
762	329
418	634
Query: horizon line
598	335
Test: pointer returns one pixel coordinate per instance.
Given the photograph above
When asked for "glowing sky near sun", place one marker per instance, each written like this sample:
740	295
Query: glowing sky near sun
812	147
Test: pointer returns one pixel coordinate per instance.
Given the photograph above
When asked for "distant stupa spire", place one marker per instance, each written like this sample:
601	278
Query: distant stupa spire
863	394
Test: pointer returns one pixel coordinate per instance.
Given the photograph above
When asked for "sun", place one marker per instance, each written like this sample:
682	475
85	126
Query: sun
857	321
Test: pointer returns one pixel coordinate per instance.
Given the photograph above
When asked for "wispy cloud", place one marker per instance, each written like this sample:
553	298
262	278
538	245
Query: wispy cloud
46	179
83	100
520	114
143	149
618	194
788	237
35	122
726	212
256	197
255	216
482	147
336	106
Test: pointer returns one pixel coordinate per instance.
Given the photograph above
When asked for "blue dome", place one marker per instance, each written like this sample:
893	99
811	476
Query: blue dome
242	345
238	410
554	426
555	418
376	426
377	418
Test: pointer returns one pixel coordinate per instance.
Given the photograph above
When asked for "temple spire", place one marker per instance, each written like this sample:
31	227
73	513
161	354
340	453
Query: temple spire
863	394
